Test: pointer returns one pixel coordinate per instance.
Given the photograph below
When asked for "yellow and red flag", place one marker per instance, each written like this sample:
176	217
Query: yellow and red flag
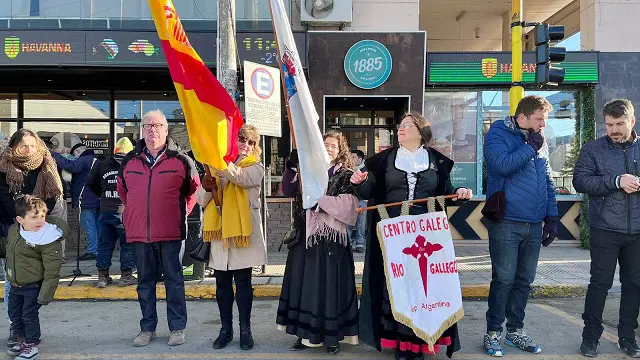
213	119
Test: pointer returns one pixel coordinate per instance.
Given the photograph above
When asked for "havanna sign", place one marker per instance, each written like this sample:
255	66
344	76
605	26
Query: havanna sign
495	68
42	47
13	45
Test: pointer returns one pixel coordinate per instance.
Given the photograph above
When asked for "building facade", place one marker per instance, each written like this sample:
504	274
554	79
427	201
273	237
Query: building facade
88	70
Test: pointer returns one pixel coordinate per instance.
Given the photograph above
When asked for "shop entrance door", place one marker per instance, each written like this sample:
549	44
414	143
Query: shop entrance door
368	123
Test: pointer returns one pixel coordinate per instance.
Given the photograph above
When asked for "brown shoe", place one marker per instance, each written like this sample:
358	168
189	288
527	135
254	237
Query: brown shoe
127	278
103	279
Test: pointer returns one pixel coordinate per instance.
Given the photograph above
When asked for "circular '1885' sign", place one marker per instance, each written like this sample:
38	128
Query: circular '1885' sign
368	64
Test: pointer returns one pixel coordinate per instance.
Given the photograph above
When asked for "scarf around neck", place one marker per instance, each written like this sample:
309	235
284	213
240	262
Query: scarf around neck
15	166
236	214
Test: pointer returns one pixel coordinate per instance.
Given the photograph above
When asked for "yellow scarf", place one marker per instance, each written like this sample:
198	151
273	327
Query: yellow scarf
236	212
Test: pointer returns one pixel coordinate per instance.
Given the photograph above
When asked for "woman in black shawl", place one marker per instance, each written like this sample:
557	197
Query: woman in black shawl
318	302
412	171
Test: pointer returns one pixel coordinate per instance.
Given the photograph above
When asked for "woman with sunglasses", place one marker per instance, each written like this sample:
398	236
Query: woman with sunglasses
411	171
318	302
233	225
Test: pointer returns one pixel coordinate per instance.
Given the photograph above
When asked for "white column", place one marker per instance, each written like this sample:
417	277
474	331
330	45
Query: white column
609	25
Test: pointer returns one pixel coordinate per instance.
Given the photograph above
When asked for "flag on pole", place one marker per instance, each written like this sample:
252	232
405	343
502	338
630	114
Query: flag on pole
313	158
213	119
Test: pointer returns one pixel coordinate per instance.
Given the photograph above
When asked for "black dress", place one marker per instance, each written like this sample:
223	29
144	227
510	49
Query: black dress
388	184
318	301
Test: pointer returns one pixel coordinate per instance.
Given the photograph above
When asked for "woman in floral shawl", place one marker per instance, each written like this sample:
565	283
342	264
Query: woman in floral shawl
321	306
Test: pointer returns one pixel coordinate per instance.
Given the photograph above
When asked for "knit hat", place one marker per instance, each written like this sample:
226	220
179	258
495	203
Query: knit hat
74	147
123	146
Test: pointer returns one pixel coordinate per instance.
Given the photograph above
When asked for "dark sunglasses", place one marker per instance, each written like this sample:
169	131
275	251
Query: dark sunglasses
244	140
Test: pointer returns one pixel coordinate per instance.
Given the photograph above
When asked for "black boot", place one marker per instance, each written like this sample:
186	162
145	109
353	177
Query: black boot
298	345
224	297
244	300
246	339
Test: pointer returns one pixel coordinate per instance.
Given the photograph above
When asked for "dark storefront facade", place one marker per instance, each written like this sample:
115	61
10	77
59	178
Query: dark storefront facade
96	85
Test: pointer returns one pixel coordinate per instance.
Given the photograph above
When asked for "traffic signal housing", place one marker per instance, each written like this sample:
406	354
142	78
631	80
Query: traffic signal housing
546	55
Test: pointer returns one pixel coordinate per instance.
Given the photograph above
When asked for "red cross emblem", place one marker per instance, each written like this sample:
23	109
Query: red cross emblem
421	250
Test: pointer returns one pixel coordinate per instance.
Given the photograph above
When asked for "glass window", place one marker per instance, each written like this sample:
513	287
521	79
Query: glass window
453	117
129	9
61	136
7	128
8	105
132	106
66	105
383	139
559	131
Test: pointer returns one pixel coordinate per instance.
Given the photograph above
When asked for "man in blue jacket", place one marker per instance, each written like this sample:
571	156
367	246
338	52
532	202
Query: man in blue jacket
89	203
520	197
607	170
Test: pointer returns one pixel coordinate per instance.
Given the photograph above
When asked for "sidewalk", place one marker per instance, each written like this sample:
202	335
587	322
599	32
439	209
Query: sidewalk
563	271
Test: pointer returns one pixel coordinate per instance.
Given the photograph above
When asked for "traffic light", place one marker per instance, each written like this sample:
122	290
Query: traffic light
546	74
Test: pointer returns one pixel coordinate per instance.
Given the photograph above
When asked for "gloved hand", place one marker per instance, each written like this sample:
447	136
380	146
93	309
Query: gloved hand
293	160
209	183
536	140
550	230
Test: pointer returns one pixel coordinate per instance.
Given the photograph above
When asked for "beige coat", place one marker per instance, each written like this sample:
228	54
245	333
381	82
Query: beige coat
256	254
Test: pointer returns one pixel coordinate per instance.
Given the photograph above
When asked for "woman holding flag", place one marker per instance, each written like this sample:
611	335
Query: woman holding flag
233	225
412	171
320	306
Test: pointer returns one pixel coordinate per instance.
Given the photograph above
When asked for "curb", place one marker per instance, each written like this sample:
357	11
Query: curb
208	291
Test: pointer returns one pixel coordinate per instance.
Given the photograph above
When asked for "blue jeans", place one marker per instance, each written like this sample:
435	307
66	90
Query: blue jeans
112	231
361	226
91	226
152	261
25	319
514	248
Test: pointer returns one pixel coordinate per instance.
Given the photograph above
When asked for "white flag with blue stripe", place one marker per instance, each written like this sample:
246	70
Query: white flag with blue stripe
313	158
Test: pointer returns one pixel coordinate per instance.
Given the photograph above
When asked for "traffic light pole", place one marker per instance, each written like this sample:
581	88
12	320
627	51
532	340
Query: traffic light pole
517	90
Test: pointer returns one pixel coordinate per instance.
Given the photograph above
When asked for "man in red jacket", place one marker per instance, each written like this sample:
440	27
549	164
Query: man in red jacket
157	184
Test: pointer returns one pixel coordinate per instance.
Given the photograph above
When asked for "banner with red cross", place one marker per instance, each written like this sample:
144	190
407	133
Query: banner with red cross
421	271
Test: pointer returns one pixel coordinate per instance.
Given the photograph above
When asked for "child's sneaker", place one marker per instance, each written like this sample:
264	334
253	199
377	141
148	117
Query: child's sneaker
492	344
15	350
520	340
28	352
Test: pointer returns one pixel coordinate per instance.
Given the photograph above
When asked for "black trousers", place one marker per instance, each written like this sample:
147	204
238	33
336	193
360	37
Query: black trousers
225	296
607	249
23	312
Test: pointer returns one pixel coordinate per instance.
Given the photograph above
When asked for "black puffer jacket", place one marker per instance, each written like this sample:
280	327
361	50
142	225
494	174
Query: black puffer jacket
8	205
599	164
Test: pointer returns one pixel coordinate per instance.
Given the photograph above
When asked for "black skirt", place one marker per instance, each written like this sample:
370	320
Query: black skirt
318	302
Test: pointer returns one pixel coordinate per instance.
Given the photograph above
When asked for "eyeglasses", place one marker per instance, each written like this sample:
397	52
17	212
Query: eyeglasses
243	140
405	125
157	126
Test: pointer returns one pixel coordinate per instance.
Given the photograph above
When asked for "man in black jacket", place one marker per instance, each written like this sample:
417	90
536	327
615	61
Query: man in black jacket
102	181
607	170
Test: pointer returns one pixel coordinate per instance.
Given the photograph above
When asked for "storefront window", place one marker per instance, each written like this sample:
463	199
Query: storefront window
7	128
133	105
559	132
383	140
61	136
66	105
453	117
8	105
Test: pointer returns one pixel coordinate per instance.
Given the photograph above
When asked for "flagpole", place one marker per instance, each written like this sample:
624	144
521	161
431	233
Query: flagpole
284	88
417	201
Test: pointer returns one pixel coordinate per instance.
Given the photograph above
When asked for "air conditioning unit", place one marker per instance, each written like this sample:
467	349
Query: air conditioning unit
325	12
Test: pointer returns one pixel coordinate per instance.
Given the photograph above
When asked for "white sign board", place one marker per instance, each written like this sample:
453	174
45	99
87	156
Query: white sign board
422	273
262	98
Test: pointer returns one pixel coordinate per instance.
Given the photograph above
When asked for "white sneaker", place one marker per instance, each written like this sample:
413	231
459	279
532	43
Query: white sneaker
28	352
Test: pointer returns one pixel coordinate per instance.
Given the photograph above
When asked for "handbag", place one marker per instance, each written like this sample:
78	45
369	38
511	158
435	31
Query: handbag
201	251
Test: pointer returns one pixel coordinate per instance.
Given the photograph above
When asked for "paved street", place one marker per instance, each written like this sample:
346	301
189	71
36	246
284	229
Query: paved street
104	330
